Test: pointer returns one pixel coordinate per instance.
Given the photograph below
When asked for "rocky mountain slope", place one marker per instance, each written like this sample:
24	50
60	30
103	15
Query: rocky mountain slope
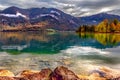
54	18
14	18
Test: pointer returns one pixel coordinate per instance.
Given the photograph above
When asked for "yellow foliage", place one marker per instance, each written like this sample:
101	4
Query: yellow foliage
105	26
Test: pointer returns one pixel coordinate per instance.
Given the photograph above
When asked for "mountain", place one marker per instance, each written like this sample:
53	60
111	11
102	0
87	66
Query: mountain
47	18
97	18
116	12
54	18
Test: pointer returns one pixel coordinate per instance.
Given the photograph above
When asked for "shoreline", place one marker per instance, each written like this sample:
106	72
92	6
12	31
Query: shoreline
61	73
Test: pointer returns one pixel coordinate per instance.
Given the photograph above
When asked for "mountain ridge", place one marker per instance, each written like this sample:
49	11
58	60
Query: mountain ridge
54	18
97	18
35	15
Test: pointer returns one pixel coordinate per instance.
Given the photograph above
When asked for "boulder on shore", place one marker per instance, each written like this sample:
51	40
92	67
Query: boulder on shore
61	73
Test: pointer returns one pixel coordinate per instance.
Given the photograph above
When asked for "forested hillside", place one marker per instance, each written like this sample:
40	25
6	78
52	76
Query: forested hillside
104	26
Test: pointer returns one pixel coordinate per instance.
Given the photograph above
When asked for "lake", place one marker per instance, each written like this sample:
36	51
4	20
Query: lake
79	52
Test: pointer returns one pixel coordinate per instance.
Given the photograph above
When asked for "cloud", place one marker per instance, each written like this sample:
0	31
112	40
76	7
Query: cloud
74	7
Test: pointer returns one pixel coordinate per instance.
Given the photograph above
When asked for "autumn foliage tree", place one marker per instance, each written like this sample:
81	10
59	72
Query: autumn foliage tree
105	26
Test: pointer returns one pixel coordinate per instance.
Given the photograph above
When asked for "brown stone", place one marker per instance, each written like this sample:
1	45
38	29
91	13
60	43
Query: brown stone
62	73
110	73
27	72
6	78
95	77
82	77
106	73
6	73
44	74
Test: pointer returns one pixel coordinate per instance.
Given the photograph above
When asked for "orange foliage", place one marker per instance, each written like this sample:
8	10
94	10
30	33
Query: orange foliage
105	26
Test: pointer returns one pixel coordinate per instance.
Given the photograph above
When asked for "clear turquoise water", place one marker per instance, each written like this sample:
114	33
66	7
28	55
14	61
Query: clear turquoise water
80	52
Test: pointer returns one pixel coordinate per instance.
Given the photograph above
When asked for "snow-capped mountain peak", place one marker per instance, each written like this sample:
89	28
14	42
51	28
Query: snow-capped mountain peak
19	14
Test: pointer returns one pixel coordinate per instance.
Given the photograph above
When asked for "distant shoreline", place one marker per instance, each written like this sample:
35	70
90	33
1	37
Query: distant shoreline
24	31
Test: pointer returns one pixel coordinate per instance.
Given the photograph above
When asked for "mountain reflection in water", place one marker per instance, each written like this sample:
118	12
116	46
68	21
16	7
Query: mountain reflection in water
29	42
36	42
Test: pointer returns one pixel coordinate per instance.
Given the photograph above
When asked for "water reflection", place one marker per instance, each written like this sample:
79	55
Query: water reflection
25	42
42	43
105	39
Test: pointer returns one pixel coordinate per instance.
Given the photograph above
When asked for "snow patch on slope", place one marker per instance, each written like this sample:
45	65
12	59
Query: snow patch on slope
14	15
55	12
43	15
71	21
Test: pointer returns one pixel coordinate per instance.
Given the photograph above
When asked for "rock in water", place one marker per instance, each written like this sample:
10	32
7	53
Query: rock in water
27	72
44	74
62	73
6	73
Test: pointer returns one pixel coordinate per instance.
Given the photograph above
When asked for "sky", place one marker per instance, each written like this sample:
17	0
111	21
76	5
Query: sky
73	7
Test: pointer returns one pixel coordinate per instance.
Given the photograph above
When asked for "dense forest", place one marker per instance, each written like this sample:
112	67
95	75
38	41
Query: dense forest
106	26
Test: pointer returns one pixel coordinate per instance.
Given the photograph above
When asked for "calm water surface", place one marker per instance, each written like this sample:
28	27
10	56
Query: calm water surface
80	52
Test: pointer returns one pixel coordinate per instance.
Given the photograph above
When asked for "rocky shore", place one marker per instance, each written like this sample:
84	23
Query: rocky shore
61	73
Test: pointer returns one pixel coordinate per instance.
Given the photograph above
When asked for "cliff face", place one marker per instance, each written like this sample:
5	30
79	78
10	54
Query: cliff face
61	73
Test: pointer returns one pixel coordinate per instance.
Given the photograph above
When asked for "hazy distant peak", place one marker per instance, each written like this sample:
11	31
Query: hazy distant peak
116	12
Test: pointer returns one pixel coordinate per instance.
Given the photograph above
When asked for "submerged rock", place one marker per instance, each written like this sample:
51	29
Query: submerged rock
107	73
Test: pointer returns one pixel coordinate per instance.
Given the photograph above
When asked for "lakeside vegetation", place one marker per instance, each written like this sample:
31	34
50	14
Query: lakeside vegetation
24	27
106	26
